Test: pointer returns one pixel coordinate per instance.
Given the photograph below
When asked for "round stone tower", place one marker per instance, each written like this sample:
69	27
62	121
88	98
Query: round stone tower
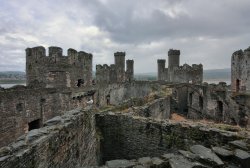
34	59
173	62
130	70
120	66
161	69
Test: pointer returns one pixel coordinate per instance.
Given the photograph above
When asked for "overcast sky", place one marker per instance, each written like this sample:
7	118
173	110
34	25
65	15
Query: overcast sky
206	31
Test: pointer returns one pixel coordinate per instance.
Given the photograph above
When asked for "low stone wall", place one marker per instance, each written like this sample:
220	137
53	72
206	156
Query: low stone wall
118	93
130	137
68	141
157	109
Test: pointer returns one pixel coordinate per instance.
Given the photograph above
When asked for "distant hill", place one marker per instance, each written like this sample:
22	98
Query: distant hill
12	76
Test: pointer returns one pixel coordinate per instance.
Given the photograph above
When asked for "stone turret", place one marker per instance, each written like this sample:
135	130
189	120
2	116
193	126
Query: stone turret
130	70
240	68
34	58
162	75
173	62
86	64
120	66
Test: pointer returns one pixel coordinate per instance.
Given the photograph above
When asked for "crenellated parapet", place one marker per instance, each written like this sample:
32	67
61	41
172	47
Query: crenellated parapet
56	70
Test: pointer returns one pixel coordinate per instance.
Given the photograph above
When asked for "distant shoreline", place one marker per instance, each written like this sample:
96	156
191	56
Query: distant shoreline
12	81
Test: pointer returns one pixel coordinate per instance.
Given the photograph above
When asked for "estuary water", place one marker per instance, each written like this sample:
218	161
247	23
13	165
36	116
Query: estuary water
215	81
9	85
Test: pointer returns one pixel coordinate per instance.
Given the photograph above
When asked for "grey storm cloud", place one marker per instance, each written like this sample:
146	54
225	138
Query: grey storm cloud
173	19
206	31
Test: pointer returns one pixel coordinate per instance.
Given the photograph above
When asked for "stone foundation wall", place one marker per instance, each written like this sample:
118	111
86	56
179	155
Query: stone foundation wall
68	141
128	137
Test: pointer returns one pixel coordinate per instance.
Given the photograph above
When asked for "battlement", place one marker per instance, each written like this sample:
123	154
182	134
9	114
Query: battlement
54	51
37	52
161	61
130	61
98	67
174	52
120	54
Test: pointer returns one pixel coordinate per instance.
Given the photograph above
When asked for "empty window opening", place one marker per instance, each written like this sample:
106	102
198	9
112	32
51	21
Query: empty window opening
80	82
43	100
237	85
220	109
34	124
108	99
30	67
190	98
19	107
200	102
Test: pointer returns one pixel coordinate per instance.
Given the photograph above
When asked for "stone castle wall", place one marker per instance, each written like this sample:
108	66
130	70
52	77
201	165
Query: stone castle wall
20	107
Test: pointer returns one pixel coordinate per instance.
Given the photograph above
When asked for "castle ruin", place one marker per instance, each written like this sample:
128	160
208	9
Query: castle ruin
130	123
176	73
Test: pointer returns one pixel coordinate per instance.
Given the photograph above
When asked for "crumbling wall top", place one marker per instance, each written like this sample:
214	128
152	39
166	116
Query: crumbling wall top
248	49
238	52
